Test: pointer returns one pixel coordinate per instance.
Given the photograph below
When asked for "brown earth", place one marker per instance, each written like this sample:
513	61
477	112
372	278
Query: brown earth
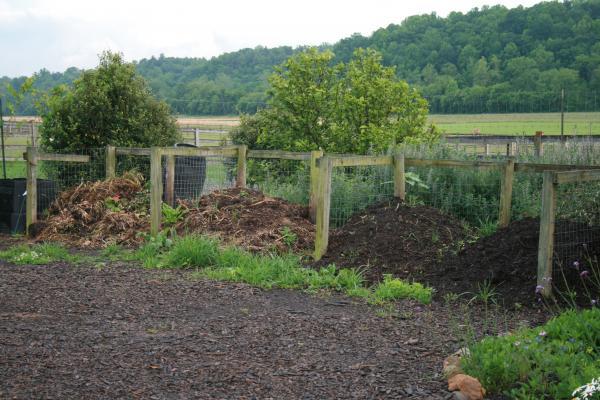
422	244
119	331
394	238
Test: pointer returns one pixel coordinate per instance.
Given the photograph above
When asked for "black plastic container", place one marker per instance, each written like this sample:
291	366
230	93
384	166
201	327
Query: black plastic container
13	199
190	175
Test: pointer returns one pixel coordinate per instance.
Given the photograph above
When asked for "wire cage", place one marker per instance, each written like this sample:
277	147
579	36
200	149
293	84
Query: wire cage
286	179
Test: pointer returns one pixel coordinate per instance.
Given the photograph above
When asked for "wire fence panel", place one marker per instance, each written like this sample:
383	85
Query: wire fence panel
577	225
55	177
133	163
286	179
195	176
470	194
526	195
355	188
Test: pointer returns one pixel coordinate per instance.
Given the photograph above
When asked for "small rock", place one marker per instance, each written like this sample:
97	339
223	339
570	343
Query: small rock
469	386
412	341
459	396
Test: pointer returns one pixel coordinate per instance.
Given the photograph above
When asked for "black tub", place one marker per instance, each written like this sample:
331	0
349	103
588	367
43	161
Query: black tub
12	202
190	175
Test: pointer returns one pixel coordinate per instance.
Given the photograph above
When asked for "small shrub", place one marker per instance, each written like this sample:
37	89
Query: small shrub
192	252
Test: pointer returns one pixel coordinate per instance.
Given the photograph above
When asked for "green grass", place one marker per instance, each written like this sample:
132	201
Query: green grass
547	362
14	169
518	124
210	260
38	254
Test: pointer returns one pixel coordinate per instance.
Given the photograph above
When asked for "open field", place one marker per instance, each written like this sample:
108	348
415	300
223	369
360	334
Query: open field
518	124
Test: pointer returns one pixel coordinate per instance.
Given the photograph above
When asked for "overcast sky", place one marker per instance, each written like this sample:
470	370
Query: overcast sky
57	34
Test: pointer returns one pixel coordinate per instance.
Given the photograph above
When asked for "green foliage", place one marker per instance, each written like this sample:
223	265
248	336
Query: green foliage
38	254
547	362
393	289
111	104
172	215
358	107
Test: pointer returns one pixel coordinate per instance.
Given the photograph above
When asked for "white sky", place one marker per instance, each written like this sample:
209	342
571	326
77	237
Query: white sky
57	34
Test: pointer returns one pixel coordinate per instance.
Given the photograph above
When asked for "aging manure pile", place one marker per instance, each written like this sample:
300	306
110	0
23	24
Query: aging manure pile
394	238
96	214
249	219
508	260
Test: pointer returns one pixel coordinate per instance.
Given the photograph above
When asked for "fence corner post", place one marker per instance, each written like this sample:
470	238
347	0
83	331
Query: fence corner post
506	189
323	207
399	176
156	189
240	181
111	161
314	184
546	243
31	204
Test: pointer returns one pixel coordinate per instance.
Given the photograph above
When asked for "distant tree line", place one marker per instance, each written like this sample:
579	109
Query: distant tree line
492	59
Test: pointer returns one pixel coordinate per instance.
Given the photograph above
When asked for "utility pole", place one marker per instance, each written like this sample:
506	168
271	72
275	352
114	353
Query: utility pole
562	114
2	135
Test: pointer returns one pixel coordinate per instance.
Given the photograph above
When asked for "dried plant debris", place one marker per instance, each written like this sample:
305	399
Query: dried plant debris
249	219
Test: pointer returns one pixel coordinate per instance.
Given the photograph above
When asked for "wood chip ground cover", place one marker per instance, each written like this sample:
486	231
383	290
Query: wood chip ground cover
119	331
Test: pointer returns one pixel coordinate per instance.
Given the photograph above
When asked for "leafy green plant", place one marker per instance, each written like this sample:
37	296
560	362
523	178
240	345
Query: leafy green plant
486	293
548	362
112	204
172	215
288	236
393	289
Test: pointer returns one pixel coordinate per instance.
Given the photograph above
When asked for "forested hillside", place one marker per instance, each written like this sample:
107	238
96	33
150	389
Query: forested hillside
487	60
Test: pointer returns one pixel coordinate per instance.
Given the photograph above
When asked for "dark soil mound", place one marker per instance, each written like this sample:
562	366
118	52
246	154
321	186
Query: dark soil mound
393	238
248	218
508	261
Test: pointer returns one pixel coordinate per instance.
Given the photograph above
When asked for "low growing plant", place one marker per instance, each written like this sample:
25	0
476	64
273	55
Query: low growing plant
38	254
548	362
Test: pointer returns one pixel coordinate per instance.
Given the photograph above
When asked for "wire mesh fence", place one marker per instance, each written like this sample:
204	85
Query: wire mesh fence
355	188
286	179
133	163
577	225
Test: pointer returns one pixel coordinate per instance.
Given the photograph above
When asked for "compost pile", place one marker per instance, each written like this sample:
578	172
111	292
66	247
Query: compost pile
508	260
249	219
96	214
394	238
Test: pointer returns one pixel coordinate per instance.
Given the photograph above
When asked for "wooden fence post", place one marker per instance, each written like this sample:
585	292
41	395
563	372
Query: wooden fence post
399	176
111	161
314	184
197	137
31	205
323	207
156	190
170	181
487	149
240	181
546	244
506	188
537	144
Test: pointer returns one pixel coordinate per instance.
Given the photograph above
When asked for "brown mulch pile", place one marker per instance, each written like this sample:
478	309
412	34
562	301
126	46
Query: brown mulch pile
82	216
249	219
394	238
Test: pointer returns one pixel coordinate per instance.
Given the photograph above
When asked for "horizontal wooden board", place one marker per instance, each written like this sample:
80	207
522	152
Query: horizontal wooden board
285	155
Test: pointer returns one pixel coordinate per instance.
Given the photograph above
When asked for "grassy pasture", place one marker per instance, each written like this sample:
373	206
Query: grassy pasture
518	124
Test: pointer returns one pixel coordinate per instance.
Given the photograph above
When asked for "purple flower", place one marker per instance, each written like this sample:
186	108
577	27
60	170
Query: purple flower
539	289
584	274
543	333
576	265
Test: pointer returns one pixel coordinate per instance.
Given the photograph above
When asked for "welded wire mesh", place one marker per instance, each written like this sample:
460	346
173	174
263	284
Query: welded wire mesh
133	163
195	176
577	224
355	188
526	196
55	177
470	194
286	179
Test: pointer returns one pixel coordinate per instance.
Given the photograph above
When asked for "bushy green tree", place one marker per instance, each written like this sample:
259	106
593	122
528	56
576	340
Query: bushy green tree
357	107
111	104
